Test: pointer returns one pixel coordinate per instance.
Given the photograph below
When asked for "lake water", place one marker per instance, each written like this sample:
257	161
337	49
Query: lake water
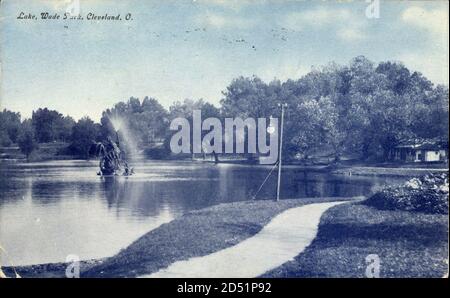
50	210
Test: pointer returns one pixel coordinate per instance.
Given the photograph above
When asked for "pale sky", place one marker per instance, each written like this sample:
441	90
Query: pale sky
173	50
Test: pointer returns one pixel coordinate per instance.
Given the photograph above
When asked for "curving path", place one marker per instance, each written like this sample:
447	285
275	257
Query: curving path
283	238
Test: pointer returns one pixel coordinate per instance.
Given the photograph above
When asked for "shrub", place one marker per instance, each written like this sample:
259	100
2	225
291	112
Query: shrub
428	194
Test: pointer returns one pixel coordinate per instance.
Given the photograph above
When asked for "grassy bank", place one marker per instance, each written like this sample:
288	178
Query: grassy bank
409	244
196	233
58	151
45	152
388	170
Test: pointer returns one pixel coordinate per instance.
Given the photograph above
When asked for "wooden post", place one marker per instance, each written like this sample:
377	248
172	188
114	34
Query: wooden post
279	152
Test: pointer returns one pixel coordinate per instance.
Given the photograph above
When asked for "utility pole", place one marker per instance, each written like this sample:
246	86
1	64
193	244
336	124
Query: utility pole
280	149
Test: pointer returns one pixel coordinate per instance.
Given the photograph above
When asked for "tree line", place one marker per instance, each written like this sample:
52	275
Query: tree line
361	108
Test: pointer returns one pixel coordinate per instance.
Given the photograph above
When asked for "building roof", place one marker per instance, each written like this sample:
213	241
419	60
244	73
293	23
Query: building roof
429	147
423	144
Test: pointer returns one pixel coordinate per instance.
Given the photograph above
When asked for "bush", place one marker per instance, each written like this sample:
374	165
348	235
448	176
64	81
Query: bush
428	194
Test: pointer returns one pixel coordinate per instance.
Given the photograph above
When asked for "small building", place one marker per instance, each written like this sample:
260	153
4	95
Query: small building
423	151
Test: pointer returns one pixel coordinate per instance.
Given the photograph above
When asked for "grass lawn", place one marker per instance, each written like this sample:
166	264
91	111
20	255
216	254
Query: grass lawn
409	244
195	234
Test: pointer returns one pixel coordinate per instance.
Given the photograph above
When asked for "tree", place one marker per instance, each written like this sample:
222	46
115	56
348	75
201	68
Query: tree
9	127
398	76
248	97
45	123
145	122
185	110
358	108
63	128
431	117
302	128
26	139
4	138
84	134
331	126
150	121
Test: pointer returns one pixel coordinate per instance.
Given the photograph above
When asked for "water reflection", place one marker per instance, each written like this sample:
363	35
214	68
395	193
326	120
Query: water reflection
49	210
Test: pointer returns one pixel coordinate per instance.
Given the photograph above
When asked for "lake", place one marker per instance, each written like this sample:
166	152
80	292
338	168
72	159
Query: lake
49	210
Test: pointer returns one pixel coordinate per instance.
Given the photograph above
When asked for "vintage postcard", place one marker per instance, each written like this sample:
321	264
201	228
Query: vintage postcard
224	139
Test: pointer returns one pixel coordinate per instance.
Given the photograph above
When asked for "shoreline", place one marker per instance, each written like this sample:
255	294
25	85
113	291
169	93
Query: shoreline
347	233
386	171
196	233
356	169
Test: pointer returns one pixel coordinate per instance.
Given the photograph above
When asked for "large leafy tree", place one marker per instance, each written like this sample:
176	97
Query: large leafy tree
45	123
9	127
26	139
84	134
250	97
63	128
185	110
146	121
360	108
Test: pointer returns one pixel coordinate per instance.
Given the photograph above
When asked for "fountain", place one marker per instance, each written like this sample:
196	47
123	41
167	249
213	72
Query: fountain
113	160
127	136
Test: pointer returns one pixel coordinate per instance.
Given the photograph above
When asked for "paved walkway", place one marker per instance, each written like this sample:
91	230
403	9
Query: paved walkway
283	238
